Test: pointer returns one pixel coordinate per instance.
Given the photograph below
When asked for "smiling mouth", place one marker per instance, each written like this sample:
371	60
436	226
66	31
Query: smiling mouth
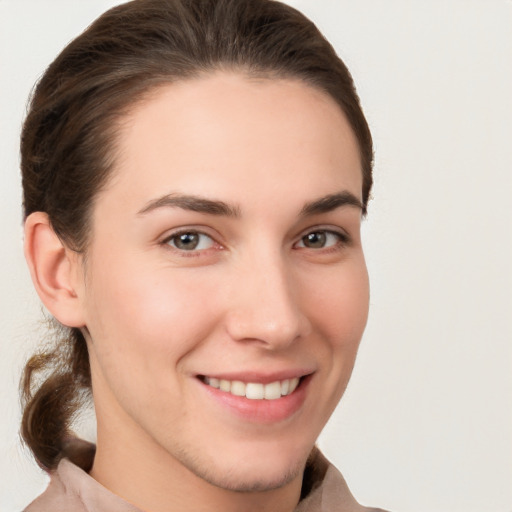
254	390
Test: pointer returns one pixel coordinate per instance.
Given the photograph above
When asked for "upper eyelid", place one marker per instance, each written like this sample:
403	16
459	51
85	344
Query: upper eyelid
336	230
165	243
342	237
192	229
204	230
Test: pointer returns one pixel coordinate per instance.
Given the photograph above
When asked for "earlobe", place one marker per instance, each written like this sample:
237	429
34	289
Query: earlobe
54	272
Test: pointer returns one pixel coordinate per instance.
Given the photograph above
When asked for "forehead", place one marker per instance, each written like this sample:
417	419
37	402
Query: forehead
227	134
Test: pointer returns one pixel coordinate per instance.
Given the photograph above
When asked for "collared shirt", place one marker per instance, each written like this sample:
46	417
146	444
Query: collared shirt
72	489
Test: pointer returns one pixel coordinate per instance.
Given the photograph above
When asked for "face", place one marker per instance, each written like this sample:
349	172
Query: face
225	289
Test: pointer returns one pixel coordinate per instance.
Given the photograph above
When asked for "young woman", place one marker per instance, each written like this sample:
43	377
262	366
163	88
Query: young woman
195	173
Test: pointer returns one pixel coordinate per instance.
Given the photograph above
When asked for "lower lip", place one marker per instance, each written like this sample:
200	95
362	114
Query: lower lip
261	411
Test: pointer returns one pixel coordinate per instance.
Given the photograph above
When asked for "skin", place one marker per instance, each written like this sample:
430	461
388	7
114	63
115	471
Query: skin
253	297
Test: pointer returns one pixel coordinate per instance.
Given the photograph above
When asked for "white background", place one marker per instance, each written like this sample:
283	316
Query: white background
426	424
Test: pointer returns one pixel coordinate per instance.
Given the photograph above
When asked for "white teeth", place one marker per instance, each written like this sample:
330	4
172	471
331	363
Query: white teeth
237	388
255	390
225	385
273	390
213	382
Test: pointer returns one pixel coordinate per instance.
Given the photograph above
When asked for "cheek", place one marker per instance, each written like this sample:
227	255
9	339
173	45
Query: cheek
339	304
151	315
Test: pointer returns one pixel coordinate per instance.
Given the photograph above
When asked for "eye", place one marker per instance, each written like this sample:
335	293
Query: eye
190	241
321	240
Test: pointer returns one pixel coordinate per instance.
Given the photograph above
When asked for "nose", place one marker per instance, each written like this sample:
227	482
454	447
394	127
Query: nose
265	305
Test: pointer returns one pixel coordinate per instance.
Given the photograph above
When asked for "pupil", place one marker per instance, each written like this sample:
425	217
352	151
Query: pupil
315	240
187	241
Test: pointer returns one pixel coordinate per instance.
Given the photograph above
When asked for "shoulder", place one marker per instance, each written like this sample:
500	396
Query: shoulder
57	497
325	489
72	489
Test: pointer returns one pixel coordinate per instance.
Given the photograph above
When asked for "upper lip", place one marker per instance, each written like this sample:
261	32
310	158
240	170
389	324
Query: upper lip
259	377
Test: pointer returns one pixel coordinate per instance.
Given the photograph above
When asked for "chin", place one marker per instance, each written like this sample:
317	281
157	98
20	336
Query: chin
254	479
249	474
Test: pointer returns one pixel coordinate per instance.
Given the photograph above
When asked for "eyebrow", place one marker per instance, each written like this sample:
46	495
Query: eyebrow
332	202
220	208
191	203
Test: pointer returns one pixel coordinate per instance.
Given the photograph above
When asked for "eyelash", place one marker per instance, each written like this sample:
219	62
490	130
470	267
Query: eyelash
191	252
342	240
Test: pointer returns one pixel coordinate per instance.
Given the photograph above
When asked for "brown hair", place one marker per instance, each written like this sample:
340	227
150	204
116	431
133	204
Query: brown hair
68	139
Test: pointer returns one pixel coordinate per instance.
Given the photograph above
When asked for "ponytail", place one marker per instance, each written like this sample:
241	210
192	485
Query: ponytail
62	378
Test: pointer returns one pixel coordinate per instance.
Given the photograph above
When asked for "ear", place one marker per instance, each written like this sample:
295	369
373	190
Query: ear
55	270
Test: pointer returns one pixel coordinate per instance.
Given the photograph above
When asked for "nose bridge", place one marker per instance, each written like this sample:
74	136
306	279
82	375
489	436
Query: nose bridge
265	307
